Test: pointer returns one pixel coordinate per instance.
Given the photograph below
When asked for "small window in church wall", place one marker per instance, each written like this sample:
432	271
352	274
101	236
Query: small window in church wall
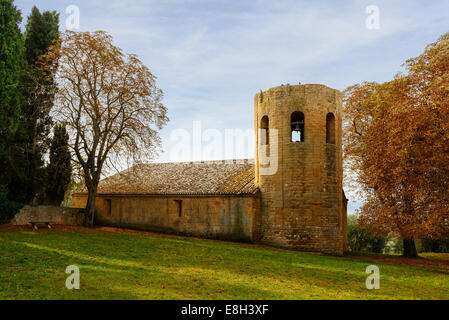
265	125
179	204
108	206
330	128
297	127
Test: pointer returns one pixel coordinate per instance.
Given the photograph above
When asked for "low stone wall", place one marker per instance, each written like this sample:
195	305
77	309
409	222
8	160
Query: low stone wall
55	215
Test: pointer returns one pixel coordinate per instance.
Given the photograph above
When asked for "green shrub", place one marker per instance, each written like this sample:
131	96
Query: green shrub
8	209
438	246
360	241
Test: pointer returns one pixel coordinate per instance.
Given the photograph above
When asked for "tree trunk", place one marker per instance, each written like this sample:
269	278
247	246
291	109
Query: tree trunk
90	207
410	248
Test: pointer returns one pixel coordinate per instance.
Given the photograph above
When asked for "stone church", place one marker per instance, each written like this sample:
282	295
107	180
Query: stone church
291	195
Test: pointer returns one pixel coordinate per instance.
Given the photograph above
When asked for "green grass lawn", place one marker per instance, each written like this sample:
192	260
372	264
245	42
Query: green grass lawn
149	266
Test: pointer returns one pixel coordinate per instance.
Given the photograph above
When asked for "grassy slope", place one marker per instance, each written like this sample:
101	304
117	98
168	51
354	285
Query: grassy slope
138	266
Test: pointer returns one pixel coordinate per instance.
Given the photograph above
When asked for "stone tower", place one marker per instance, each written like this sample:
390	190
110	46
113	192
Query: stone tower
298	168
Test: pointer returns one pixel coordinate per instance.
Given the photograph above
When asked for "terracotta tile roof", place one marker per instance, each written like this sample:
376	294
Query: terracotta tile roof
233	177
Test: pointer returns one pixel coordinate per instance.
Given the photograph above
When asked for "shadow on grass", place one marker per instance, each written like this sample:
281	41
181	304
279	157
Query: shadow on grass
137	267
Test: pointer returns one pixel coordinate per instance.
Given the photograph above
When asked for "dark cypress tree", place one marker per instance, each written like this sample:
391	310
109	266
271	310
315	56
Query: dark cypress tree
11	64
59	170
32	140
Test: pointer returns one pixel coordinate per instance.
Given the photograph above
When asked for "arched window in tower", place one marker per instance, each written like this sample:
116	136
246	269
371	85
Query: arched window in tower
330	128
297	126
265	125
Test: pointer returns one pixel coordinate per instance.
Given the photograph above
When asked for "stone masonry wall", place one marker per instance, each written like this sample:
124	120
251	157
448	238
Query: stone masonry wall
302	203
55	215
219	217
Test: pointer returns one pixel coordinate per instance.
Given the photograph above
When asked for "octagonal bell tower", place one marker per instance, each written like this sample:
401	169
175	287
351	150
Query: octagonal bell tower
298	168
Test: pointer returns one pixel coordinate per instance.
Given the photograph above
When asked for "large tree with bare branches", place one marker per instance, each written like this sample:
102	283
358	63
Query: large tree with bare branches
110	104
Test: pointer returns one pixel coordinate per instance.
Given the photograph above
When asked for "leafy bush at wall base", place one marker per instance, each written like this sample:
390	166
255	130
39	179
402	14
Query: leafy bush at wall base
8	209
360	241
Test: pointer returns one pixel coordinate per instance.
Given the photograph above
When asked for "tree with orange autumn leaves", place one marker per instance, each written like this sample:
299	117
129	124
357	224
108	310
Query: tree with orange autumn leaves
397	143
108	101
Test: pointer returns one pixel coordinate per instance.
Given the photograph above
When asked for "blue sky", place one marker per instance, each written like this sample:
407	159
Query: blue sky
212	57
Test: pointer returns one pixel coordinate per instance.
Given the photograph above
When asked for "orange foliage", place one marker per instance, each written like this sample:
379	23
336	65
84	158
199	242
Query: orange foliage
397	141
